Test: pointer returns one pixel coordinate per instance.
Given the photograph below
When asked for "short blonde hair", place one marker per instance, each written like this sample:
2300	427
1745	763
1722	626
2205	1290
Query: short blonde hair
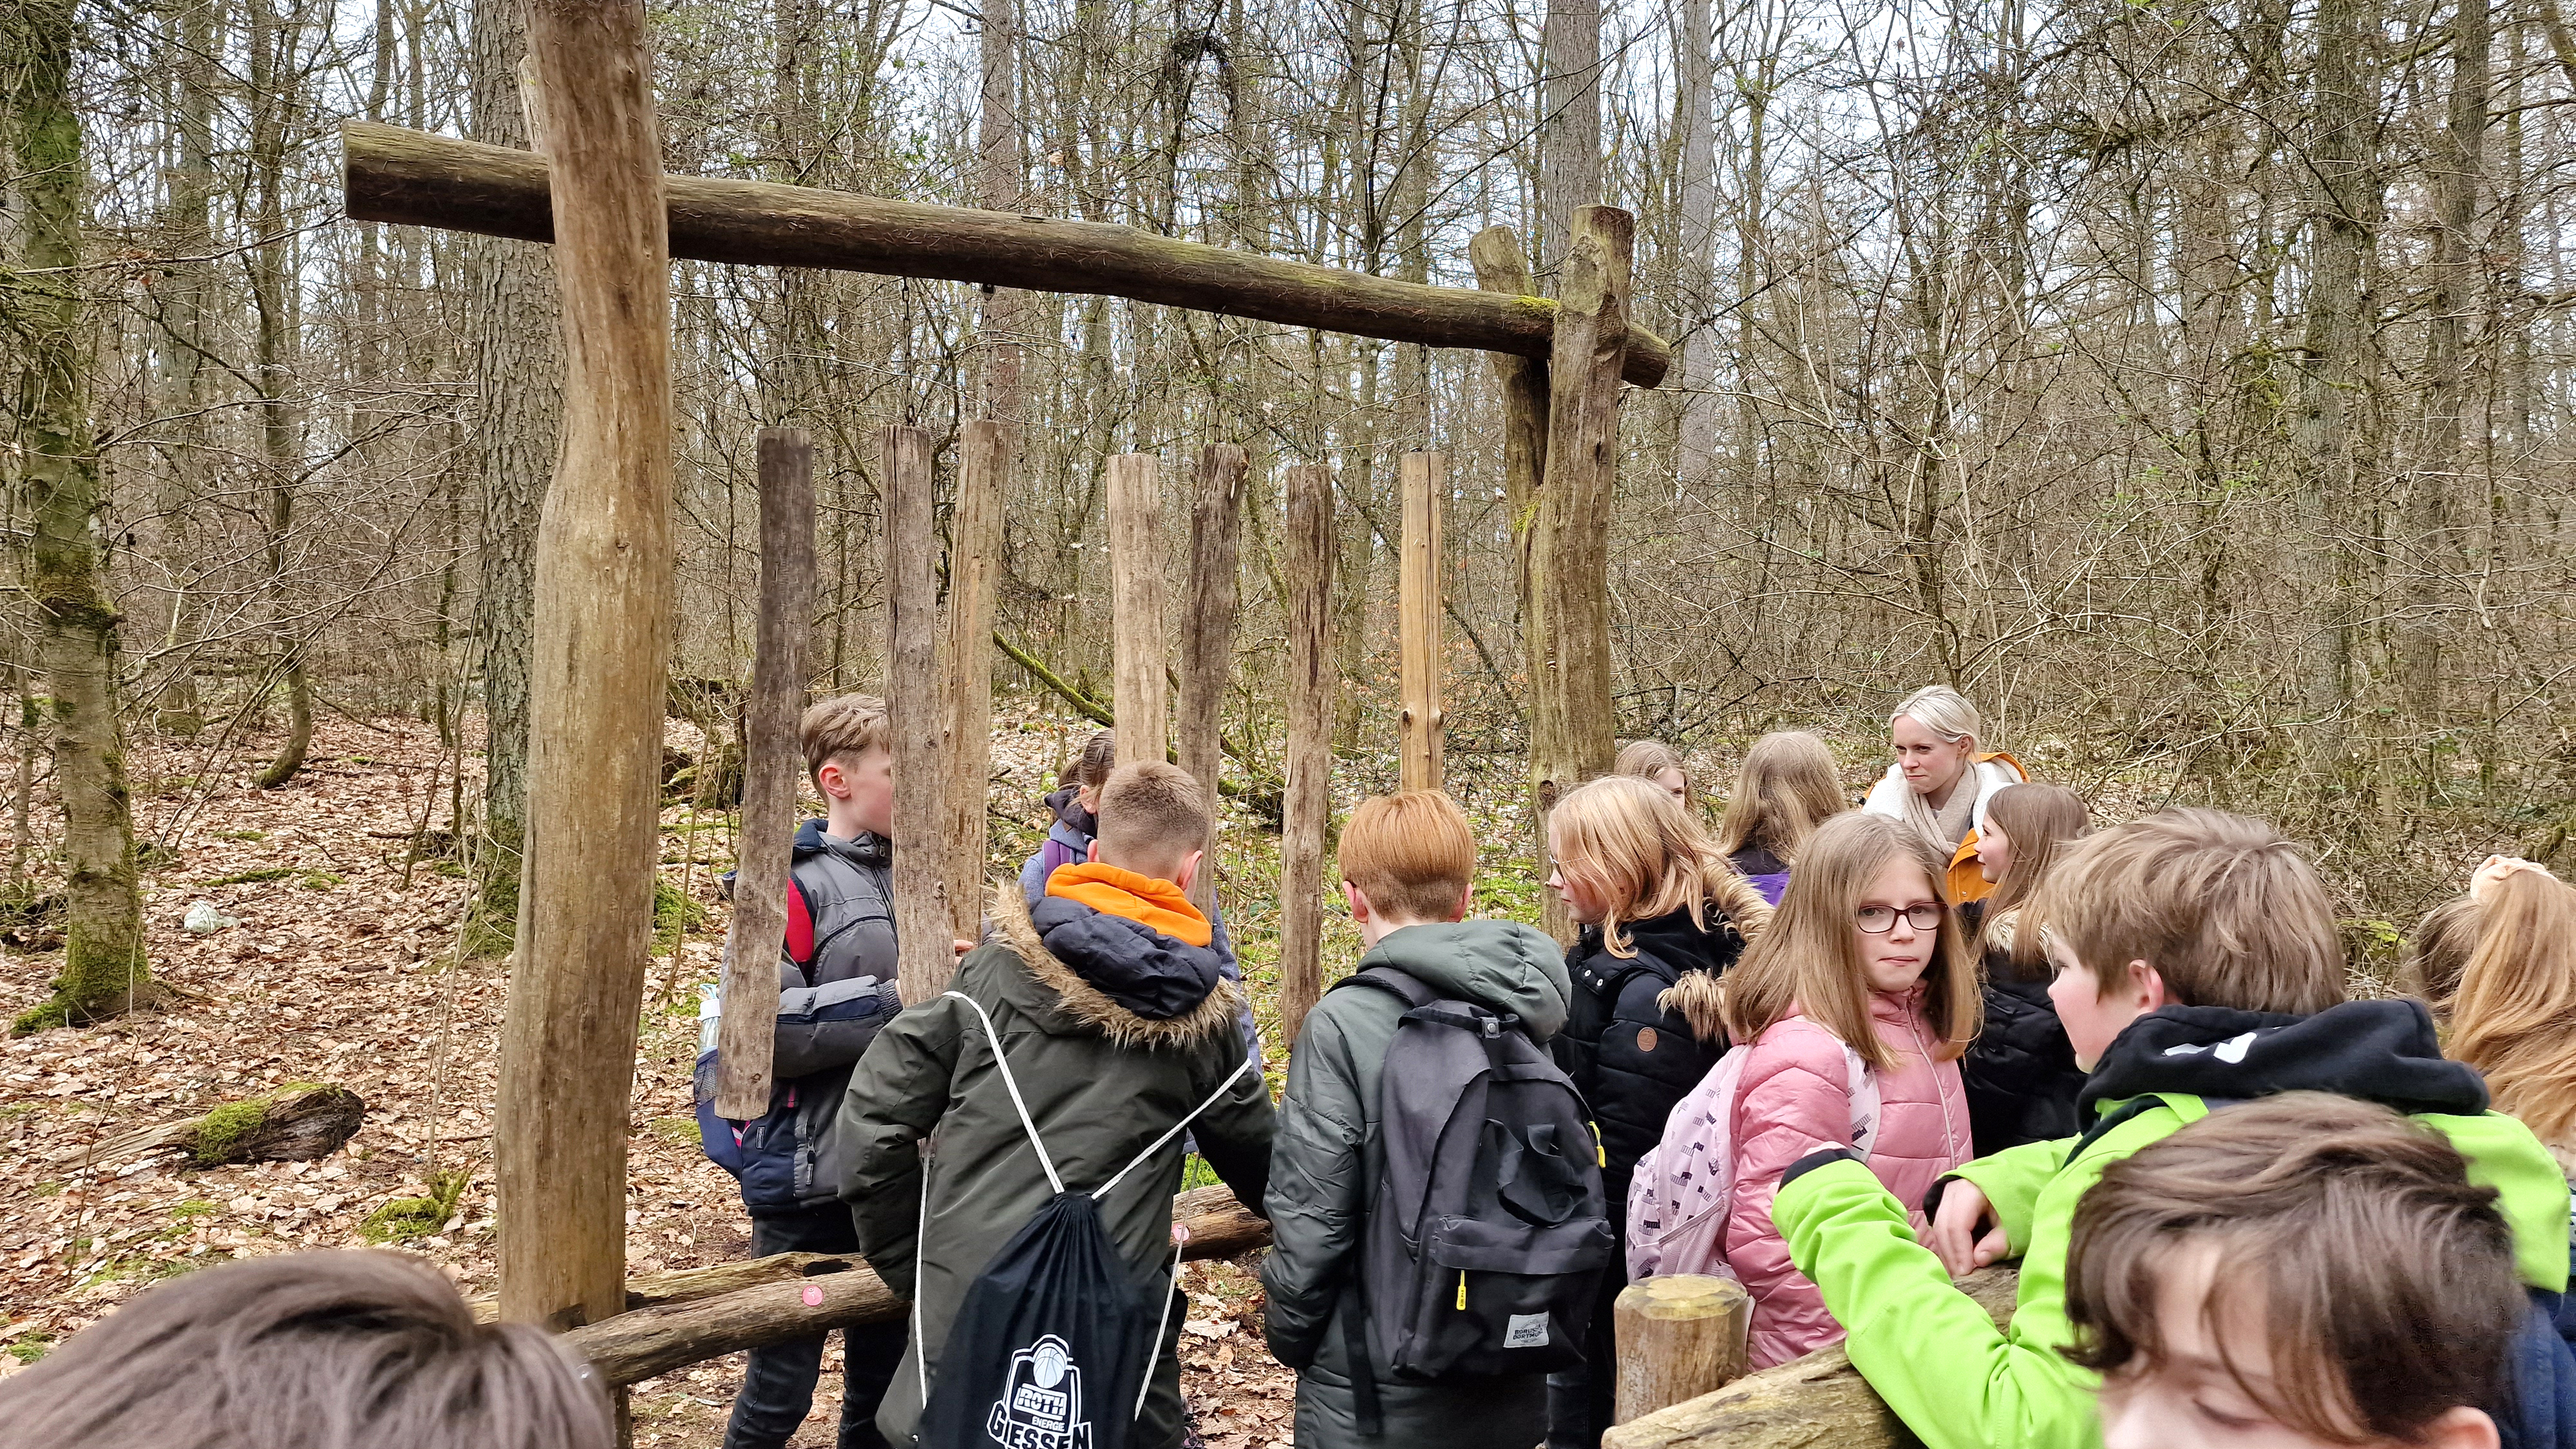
1411	854
846	724
1646	759
1643	855
1787	786
1809	964
2227	912
1151	814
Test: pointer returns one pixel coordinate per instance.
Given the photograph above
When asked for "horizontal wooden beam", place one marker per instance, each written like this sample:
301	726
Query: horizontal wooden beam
809	1294
417	179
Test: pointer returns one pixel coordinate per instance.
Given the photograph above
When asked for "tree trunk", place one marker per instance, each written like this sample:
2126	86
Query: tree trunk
1696	329
599	672
1207	637
915	715
272	57
517	352
974	561
58	491
1569	124
997	151
1309	802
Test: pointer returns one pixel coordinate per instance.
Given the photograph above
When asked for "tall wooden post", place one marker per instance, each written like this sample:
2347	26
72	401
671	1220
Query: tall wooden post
772	762
1309	801
914	716
974	544
1569	548
1207	630
597	672
1141	691
1424	478
1502	267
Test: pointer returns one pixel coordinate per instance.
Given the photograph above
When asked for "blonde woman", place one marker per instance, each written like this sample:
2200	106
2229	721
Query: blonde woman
1787	786
2513	1009
1663	917
1943	779
1864	959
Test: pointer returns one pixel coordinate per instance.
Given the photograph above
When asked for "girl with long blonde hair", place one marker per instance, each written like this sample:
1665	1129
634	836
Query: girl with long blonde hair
1787	786
1860	988
2513	1013
1663	916
2021	1075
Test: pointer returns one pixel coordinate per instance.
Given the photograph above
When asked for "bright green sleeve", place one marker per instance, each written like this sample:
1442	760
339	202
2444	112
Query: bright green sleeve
2530	1191
1930	1351
2012	1180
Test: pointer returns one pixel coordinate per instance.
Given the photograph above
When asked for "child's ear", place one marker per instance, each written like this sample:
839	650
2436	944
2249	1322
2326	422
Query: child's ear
833	780
2461	1428
2149	985
1466	903
1189	868
1091	852
1358	903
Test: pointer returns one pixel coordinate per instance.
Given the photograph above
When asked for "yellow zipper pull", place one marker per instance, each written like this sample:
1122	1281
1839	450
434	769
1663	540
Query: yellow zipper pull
1462	1290
1600	1150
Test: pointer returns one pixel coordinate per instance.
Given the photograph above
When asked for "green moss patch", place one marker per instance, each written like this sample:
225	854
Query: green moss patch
406	1218
252	877
221	1131
673	912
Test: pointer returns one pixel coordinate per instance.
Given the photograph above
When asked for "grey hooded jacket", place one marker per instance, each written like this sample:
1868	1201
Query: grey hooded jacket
1324	1167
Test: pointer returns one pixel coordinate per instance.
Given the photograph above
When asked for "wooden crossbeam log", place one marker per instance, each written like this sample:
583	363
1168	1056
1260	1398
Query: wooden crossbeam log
417	179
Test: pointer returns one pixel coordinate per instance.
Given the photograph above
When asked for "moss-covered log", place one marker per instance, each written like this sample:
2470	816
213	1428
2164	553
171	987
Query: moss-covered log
298	1122
416	179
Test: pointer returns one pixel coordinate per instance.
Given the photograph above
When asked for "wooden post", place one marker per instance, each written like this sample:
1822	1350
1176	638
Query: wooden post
597	672
1309	800
1425	482
1207	631
773	761
974	544
1680	1336
914	715
1141	696
1502	267
1569	548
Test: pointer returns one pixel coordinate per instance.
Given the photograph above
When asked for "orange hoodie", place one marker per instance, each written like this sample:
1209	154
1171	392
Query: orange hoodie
1144	899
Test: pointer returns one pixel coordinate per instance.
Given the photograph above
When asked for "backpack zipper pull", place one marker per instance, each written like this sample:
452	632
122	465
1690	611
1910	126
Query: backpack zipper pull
1600	1149
1462	1290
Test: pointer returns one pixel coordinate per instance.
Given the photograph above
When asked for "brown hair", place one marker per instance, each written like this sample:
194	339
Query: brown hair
1411	854
1644	856
2381	1280
1645	759
1787	786
1152	814
1098	758
2226	911
2039	821
846	724
1808	963
2443	944
317	1350
2512	1015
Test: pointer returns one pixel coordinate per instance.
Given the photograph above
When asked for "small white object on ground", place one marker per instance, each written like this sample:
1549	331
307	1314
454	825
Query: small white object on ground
204	920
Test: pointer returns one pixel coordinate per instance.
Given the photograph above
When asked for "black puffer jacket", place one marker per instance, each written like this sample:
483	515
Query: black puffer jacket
1633	1052
2020	1073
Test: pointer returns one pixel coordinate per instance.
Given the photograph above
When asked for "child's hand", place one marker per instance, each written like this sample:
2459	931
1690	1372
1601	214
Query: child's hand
2492	873
1960	1237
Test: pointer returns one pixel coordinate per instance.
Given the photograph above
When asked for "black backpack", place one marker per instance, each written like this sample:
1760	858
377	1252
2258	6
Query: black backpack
1490	1231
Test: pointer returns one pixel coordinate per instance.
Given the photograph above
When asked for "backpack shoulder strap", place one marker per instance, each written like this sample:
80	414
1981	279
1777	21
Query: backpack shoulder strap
1403	985
1011	1082
1222	1088
1865	1102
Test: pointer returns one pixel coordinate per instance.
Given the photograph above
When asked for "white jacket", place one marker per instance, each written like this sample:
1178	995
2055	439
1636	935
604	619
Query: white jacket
1887	797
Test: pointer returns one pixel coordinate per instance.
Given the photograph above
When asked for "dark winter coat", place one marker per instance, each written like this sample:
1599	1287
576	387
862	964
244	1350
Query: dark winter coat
836	989
1102	1083
1642	1030
1324	1173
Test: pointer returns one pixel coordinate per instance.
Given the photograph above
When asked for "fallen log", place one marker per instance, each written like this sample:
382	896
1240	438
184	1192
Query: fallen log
1818	1400
810	1293
413	178
297	1123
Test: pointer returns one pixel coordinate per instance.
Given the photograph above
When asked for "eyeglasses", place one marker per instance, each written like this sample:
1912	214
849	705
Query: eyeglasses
1879	920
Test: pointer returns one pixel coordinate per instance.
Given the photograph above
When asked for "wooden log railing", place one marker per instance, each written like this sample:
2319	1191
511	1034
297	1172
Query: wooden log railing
417	179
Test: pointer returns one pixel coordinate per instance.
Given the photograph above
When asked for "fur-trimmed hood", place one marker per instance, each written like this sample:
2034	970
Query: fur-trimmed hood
1701	999
1057	996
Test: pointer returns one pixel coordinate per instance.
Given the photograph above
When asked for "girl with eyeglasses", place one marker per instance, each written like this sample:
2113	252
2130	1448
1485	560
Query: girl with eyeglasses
1861	981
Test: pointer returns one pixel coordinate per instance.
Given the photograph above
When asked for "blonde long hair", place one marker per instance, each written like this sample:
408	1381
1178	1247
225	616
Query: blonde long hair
1808	963
1630	843
2514	1018
1787	786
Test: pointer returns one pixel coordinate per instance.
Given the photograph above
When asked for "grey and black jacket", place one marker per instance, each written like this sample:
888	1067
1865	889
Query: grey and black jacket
1324	1172
836	988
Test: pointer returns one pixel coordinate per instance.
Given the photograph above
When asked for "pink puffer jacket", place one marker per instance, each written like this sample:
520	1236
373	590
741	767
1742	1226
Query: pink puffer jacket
1795	1100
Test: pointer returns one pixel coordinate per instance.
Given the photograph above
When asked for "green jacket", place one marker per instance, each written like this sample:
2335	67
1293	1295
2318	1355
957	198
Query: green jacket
1324	1174
1941	1364
1101	1082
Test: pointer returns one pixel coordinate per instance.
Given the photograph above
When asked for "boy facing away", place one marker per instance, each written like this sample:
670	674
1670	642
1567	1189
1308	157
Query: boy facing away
2295	1273
2197	965
1117	1022
1407	862
836	978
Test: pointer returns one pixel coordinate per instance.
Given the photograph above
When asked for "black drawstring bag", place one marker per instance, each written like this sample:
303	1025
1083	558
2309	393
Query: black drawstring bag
1050	1348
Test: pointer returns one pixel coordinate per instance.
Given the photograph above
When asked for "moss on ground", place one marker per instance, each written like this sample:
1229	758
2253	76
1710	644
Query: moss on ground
403	1219
673	911
220	1131
260	876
